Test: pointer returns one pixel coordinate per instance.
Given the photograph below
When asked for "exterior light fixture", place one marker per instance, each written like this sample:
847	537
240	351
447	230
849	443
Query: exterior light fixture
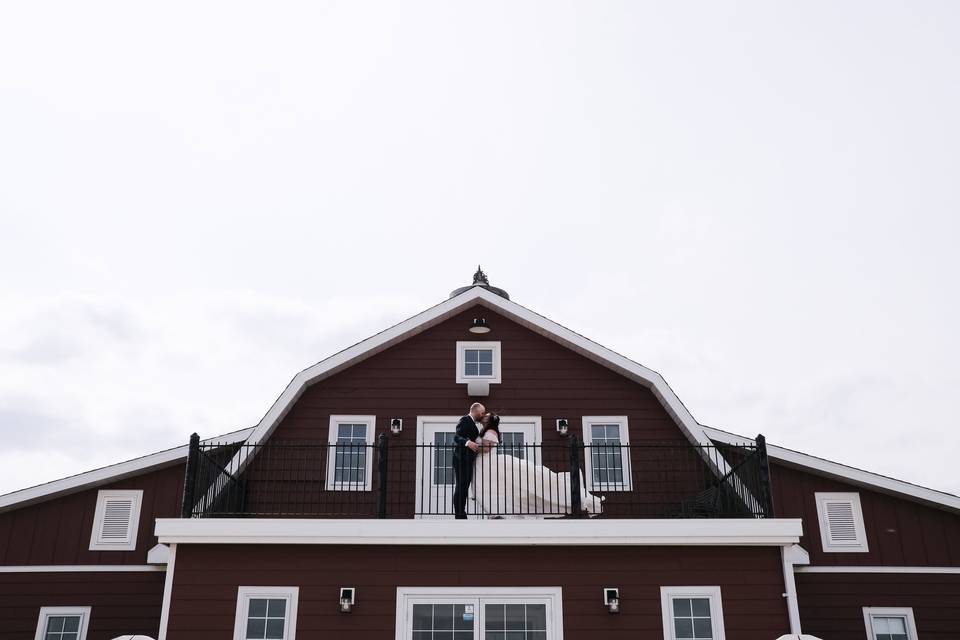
396	426
563	427
348	597
480	326
611	598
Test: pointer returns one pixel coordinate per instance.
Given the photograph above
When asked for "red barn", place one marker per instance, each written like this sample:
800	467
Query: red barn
606	511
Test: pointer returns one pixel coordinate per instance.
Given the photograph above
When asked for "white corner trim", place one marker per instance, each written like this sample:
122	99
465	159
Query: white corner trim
113	473
167	594
904	612
523	316
464	346
98	542
79	568
791	556
160	554
852	500
47	612
667	594
244	594
718	532
876	569
844	473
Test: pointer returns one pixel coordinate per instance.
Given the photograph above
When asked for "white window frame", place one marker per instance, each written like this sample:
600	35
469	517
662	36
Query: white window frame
552	596
335	422
245	594
588	422
667	594
130	544
860	546
906	612
462	348
47	612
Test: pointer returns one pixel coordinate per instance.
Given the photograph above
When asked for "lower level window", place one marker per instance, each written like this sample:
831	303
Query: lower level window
63	623
266	613
692	613
890	623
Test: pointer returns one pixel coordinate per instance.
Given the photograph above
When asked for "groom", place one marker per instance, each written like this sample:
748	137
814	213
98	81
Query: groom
464	453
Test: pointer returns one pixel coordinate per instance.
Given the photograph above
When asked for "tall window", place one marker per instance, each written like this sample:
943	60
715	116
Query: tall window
349	455
691	613
607	453
890	623
266	613
443	447
63	623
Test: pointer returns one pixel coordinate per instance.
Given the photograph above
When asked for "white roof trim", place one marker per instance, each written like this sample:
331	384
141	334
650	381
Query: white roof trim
523	316
842	472
672	531
105	475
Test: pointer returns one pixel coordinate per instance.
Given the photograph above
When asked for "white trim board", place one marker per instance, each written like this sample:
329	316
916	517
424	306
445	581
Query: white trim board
80	568
718	532
104	475
843	473
167	594
875	569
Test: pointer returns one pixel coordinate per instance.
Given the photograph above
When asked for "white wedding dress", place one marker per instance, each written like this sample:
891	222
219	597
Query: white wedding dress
510	487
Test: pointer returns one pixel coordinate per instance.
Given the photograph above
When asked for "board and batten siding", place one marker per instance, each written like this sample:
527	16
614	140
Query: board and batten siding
417	378
57	531
121	603
205	585
899	532
831	604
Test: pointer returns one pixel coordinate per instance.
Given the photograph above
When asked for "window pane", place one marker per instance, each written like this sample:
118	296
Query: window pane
701	606
702	628
277	608
494	614
443	616
256	628
275	628
486	356
458	621
422	617
485	369
471	369
683	627
537	617
515	617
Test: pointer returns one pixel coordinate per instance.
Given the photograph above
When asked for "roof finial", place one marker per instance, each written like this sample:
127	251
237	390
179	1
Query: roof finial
480	277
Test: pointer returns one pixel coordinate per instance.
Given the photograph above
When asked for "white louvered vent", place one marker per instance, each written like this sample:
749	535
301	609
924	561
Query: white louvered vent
841	522
116	519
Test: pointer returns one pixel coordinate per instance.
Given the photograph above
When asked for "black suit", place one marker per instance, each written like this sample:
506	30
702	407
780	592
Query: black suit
463	459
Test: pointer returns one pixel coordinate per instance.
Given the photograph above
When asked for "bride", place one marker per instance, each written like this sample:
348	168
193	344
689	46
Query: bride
509	486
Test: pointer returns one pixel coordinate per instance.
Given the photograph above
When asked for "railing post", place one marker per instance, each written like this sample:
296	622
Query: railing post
190	480
575	506
384	448
766	487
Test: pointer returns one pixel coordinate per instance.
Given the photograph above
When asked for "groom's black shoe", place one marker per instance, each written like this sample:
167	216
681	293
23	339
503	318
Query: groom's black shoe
461	516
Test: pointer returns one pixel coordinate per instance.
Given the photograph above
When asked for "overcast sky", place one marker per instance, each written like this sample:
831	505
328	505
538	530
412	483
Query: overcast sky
758	200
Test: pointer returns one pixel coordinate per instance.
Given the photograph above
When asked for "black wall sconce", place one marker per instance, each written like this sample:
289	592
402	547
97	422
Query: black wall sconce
396	426
348	598
611	598
563	427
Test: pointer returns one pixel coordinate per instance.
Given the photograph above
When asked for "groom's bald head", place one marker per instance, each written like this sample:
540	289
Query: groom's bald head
477	410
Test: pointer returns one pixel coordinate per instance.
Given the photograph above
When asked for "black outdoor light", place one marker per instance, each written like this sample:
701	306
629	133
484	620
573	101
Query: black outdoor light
611	598
563	427
480	326
348	598
396	426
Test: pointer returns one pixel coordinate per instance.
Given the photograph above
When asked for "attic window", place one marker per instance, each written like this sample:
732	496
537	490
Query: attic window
841	523
478	361
116	520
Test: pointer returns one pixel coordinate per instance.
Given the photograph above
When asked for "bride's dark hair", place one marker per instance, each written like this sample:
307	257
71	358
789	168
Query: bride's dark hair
493	424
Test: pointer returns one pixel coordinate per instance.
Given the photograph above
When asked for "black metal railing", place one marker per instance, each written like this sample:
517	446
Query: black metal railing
565	479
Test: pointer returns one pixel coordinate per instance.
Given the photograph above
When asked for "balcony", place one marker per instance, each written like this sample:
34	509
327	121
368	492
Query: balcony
386	479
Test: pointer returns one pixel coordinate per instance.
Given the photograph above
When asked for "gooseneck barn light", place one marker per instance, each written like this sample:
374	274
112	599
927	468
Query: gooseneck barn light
479	326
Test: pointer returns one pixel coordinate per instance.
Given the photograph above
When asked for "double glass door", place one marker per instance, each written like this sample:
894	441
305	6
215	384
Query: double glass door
483	618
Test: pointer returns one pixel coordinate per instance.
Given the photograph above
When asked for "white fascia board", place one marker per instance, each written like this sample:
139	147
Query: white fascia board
875	569
711	532
523	316
843	473
80	568
105	475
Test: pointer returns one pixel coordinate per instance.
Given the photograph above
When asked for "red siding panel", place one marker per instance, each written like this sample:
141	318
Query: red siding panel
121	603
207	578
899	532
831	605
58	531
